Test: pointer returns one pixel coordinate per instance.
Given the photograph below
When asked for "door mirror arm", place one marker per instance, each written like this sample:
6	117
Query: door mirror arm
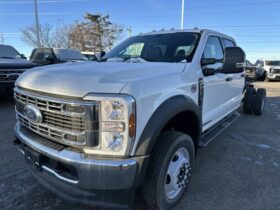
208	61
209	71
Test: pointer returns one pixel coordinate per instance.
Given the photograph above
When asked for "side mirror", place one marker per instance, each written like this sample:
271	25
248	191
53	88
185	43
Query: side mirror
234	60
209	71
208	61
23	56
103	53
49	59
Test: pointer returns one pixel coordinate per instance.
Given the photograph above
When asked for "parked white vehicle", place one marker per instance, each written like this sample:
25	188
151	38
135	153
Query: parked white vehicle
91	56
96	132
269	69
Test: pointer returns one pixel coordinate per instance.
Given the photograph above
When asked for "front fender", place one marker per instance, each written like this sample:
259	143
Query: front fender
165	112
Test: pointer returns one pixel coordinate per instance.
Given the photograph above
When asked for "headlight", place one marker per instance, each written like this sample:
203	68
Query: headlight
116	124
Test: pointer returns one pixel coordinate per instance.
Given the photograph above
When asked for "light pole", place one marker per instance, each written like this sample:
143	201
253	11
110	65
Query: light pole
182	14
2	38
37	23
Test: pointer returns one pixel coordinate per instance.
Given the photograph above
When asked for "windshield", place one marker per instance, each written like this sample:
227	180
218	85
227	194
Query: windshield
174	47
66	54
272	63
8	52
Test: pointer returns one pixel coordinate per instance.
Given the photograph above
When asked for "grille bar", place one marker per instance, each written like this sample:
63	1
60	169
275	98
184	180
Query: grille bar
57	124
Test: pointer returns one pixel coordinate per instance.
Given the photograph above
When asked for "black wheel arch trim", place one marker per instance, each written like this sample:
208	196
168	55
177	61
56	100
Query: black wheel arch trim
163	114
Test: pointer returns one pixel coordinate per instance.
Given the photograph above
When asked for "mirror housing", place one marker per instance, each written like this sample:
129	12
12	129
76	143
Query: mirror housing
208	61
234	60
23	56
103	53
209	71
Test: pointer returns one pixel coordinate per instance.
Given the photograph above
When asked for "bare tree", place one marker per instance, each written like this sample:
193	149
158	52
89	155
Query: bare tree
97	33
101	32
45	32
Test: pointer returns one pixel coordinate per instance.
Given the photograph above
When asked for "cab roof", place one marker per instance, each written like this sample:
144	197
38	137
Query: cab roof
200	31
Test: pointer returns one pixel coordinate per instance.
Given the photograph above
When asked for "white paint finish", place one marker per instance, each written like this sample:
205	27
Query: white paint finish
220	97
149	83
152	93
79	79
214	99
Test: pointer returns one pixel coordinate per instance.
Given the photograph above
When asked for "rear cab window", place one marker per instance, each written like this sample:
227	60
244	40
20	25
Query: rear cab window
228	43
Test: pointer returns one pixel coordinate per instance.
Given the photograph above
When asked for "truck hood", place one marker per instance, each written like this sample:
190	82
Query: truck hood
15	64
79	79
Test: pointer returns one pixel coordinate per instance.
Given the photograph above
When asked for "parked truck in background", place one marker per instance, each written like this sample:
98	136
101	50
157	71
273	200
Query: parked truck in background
268	69
12	64
96	132
47	56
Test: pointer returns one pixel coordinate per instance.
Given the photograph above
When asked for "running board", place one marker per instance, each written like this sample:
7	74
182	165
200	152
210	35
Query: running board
212	133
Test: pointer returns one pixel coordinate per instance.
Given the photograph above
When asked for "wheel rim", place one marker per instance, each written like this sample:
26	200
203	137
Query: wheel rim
178	173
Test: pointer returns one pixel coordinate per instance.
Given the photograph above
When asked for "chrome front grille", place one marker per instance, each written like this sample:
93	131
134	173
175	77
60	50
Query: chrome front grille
275	71
9	75
39	129
68	122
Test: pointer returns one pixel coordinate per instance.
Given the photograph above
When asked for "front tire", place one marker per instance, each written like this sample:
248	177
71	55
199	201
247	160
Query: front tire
169	170
266	78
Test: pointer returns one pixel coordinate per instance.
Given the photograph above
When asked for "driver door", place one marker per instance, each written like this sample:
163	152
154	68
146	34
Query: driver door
216	88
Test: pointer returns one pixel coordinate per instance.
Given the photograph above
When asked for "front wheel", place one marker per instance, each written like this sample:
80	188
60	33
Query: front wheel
266	78
169	170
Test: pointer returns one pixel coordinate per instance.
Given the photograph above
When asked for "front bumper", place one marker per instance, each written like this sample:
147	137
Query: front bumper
272	76
104	182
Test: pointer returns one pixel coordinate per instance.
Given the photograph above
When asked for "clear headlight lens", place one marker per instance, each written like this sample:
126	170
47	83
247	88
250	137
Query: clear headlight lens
116	124
113	110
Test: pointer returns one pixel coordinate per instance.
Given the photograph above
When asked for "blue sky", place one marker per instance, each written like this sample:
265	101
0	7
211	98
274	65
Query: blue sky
254	24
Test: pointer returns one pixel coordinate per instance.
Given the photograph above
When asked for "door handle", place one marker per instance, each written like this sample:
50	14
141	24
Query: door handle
229	79
242	75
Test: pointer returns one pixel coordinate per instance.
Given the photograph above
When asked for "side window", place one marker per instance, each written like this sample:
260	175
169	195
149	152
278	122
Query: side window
213	48
39	56
133	50
48	55
228	43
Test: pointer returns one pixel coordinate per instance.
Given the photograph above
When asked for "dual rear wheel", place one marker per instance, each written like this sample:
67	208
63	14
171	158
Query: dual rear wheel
254	101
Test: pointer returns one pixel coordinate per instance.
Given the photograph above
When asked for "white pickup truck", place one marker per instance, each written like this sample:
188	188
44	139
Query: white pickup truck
268	69
97	132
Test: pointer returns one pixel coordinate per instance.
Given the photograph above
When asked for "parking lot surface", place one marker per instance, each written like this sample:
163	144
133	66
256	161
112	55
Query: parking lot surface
240	169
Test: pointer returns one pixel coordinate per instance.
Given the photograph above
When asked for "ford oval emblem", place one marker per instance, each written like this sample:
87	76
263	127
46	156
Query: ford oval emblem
32	113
